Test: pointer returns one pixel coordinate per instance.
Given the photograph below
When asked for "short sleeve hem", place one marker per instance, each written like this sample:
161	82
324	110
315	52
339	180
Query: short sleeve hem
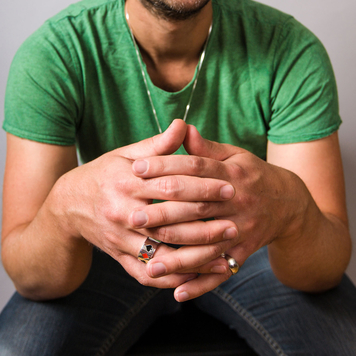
304	137
54	140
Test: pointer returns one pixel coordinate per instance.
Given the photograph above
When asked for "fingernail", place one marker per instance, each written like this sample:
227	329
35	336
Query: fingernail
158	269
218	269
140	167
230	233
227	192
139	218
182	296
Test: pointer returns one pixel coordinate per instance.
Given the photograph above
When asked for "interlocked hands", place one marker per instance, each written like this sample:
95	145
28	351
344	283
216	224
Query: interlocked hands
237	189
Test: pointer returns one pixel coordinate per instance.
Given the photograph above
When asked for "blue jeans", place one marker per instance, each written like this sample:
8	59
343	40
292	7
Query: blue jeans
109	312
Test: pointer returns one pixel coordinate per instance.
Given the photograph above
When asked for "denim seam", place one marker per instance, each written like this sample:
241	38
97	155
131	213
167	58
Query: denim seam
250	319
125	320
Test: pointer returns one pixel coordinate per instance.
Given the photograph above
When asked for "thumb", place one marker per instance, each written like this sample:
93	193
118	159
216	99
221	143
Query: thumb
196	145
163	144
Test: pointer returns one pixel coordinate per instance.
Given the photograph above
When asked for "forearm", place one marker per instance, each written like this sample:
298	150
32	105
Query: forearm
43	259
313	255
55	212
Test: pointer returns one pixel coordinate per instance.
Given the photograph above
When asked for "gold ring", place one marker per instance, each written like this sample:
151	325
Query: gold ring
233	265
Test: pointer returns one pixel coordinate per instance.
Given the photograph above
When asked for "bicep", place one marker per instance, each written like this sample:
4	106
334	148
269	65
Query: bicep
31	170
318	163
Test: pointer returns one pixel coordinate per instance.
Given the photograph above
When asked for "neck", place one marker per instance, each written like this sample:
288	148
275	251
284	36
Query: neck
164	41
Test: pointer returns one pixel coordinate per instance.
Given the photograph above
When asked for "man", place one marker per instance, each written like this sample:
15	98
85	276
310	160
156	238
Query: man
108	76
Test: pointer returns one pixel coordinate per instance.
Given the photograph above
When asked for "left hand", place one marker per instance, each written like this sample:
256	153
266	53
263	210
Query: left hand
261	207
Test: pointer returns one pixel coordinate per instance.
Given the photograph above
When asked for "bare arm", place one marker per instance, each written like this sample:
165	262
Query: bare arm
54	212
315	255
30	236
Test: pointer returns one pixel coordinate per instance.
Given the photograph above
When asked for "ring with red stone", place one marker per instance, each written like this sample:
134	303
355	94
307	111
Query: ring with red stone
148	249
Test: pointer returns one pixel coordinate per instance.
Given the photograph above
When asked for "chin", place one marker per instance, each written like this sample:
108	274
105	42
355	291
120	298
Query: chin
175	9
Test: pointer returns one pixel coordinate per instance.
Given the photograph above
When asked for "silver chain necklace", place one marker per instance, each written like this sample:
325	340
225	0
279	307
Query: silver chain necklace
201	60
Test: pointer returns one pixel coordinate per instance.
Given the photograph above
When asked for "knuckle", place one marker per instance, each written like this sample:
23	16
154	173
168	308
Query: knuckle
215	250
179	264
251	226
220	169
246	201
237	171
197	164
206	190
160	165
202	209
132	187
162	215
165	234
109	241
110	211
170	187
209	236
123	183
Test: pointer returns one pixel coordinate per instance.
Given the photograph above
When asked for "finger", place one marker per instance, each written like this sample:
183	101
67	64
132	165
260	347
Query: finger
137	270
163	144
196	145
186	258
195	232
184	188
167	213
160	166
130	244
199	286
218	266
241	252
222	265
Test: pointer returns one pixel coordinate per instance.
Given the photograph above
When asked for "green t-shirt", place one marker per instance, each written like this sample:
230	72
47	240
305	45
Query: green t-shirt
77	80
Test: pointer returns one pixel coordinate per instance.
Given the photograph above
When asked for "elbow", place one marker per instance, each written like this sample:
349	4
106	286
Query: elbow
310	282
315	287
41	293
42	286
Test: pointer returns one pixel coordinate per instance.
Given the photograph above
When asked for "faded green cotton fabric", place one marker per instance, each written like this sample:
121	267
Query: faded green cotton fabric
77	80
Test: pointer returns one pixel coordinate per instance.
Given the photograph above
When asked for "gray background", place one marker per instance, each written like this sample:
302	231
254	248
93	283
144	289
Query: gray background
332	21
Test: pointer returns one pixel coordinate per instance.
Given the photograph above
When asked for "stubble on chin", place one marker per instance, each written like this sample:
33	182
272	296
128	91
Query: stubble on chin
175	10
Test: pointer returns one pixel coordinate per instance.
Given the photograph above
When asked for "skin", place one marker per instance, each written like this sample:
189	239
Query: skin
303	222
174	10
170	49
54	211
49	229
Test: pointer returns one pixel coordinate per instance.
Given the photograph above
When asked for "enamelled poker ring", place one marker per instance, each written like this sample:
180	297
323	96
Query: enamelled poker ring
233	265
148	249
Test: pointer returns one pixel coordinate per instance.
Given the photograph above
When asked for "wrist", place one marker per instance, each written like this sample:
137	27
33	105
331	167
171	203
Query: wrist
59	206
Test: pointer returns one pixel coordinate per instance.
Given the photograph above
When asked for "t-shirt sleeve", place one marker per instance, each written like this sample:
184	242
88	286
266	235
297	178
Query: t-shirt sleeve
43	94
304	99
